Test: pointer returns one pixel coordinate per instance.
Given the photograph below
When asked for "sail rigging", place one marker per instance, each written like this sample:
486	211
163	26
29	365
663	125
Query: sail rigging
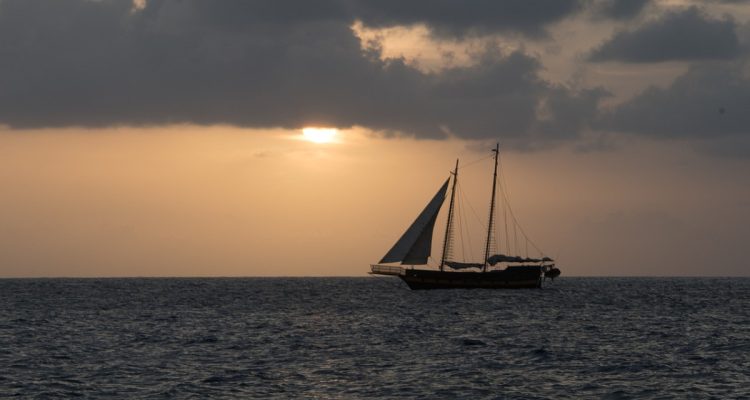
491	224
493	255
415	245
448	241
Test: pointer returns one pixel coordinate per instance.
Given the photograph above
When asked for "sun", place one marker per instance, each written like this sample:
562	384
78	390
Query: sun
320	135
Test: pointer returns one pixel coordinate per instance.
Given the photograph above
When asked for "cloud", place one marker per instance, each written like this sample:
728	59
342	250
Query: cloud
737	147
710	101
705	108
684	35
620	9
264	64
257	64
450	18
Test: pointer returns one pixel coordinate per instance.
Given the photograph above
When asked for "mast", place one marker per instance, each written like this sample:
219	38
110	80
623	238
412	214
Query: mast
490	225
449	225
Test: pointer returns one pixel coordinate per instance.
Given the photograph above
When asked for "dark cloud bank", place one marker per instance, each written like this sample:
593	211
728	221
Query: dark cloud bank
710	103
268	64
685	35
621	9
291	64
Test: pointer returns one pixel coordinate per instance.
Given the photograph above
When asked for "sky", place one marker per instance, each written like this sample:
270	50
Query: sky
165	137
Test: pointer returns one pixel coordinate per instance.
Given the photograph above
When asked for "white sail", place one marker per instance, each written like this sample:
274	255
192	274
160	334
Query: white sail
415	244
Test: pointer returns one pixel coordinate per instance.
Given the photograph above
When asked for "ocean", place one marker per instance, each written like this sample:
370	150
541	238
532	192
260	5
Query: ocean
360	338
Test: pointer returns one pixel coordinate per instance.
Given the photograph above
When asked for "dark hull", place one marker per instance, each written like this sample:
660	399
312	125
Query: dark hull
513	277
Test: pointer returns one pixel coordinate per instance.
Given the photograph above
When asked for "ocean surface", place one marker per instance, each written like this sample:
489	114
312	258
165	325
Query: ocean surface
351	338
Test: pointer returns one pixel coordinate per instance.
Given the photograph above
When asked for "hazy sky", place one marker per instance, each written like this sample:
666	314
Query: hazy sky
164	137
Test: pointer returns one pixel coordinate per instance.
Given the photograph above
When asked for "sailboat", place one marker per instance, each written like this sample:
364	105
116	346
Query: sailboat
496	271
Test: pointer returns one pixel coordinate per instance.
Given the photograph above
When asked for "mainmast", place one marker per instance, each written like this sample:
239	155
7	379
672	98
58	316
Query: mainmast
449	224
491	224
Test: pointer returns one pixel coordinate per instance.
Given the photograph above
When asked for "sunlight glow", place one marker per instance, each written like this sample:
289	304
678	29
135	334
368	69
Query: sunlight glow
320	135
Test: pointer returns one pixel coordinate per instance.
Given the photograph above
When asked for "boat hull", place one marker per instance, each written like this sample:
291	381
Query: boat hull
513	277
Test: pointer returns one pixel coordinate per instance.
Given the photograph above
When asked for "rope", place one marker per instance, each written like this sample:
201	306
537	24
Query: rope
468	235
461	225
495	243
475	161
503	185
463	200
505	220
476	215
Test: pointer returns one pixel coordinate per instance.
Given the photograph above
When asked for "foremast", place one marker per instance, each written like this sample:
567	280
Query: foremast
449	223
491	223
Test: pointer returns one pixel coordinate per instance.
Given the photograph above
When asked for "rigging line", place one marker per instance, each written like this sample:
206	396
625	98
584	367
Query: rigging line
496	244
524	232
464	225
502	177
505	191
498	238
476	161
460	222
463	199
479	220
468	236
506	196
504	200
505	219
476	215
526	236
504	206
468	231
448	227
527	247
494	237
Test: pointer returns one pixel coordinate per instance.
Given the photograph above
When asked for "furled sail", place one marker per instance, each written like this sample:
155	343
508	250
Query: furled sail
498	258
463	265
415	244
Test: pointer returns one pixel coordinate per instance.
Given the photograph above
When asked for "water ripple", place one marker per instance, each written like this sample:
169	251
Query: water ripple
370	338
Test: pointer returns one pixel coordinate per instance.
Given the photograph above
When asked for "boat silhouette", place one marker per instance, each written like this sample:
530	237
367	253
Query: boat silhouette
496	271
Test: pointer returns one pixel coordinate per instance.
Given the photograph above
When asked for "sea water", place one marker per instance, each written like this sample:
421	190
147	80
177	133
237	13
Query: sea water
353	338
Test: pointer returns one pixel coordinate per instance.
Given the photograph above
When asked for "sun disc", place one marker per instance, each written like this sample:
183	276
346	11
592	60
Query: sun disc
319	135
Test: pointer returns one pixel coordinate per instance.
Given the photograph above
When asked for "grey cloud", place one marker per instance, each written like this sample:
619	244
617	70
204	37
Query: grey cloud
566	113
459	18
677	36
620	9
710	101
254	64
726	148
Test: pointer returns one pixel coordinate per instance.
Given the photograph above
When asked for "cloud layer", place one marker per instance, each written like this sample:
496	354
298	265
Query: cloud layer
459	18
708	101
263	64
268	64
678	36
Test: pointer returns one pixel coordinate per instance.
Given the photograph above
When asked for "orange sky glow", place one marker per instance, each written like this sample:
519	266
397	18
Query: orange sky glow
190	138
221	201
